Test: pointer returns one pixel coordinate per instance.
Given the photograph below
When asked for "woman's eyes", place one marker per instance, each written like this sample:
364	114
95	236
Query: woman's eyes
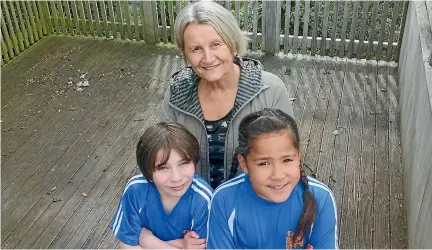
287	160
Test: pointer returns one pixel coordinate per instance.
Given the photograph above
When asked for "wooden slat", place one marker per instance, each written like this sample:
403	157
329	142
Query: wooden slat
42	17
296	26
317	9
54	15
69	20
155	21
359	52
6	38
27	9
12	32
120	18
171	20
237	10
178	7
372	30
95	11
82	18
103	10
344	29
62	17
23	28
17	28
47	17
246	16
127	14
89	20
353	29
365	231
263	24
382	168
27	22
324	29
38	19
305	26
353	163
75	17
141	5
112	19
228	5
334	27
164	22
398	235
396	9
287	26
383	20
135	15
255	25
4	51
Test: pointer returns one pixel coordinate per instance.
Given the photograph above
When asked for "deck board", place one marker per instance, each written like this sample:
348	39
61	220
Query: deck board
88	146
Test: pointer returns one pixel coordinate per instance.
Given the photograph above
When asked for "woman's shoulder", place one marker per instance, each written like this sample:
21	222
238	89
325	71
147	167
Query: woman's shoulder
272	80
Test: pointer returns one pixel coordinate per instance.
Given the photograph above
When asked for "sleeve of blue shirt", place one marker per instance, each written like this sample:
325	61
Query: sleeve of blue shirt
324	231
219	235
200	221
126	224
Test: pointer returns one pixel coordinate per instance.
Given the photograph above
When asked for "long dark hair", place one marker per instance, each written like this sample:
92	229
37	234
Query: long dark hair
164	136
273	120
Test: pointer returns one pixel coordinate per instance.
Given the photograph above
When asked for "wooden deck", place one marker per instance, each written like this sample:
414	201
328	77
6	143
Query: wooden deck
67	154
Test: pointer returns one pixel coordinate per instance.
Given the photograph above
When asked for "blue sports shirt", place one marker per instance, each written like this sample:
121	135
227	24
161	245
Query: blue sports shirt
141	206
241	219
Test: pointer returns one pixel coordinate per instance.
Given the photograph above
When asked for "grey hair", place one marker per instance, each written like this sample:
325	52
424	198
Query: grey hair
213	14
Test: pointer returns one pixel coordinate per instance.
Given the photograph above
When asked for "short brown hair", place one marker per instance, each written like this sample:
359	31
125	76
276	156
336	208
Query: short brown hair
164	136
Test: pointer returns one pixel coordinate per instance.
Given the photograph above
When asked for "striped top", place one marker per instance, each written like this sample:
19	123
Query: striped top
239	218
140	206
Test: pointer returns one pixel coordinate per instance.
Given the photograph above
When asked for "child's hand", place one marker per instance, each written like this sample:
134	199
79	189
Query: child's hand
191	240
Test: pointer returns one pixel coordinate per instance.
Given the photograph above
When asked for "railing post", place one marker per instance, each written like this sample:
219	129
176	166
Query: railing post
271	26
150	27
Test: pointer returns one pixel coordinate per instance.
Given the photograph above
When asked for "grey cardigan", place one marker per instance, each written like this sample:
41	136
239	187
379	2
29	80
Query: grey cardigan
257	90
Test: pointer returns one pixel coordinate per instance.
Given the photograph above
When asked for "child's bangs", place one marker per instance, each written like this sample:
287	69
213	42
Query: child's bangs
160	159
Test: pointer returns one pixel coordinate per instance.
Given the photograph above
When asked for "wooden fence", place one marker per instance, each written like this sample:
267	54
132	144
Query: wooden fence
354	29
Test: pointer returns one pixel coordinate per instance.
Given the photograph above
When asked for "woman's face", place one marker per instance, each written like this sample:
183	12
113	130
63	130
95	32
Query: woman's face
206	51
273	165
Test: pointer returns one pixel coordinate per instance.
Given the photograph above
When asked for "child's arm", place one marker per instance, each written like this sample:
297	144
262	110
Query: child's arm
148	240
219	235
126	246
200	220
324	231
126	224
190	241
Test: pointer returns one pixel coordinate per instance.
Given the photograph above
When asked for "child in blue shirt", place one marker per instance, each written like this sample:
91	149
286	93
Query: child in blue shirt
273	204
167	205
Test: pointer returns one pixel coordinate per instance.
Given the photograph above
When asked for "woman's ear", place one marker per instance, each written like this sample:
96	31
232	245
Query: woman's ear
242	162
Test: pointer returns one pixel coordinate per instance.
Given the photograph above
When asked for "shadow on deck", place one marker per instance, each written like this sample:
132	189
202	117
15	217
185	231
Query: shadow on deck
67	154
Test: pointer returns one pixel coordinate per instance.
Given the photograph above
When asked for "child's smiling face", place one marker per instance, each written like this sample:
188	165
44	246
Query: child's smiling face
273	165
175	177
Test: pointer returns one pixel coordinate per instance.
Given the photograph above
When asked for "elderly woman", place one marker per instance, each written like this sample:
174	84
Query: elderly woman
219	88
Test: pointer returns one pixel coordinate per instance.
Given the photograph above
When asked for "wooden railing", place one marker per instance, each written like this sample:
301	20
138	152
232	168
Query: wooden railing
354	29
